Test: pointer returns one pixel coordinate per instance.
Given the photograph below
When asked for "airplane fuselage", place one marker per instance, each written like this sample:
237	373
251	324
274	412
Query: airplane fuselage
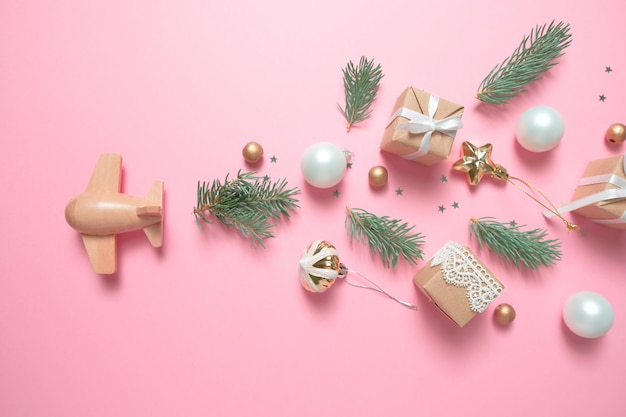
110	213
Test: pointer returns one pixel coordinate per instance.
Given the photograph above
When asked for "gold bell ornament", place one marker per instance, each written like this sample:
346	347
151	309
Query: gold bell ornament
320	268
476	162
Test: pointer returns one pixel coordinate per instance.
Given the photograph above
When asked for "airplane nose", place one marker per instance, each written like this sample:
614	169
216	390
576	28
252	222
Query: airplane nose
70	213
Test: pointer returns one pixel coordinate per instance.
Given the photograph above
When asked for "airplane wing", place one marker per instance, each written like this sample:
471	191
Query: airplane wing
102	253
107	174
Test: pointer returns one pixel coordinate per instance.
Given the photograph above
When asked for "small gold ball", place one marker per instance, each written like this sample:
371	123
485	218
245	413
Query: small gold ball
252	152
504	313
378	176
616	133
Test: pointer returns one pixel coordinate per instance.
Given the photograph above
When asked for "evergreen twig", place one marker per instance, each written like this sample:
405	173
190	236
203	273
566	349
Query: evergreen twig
361	85
524	249
388	237
246	203
535	54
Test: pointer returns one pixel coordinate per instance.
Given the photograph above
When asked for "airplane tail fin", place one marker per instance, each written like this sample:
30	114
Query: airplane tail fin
154	232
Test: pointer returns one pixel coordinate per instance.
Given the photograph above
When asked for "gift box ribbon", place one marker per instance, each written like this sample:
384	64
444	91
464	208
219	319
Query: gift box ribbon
606	195
420	123
461	269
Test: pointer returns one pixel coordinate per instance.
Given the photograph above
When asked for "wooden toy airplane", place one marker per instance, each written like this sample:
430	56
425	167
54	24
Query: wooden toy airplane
102	211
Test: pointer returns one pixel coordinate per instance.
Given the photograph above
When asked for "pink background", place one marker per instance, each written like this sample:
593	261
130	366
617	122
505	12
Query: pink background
208	325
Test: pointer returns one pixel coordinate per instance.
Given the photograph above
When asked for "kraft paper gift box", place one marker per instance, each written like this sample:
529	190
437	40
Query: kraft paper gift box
422	127
457	283
601	193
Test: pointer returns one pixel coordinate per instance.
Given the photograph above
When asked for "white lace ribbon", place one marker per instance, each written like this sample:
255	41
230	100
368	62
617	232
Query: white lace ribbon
606	195
460	268
421	123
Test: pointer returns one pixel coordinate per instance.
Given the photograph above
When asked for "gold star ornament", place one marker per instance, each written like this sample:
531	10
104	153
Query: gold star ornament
476	162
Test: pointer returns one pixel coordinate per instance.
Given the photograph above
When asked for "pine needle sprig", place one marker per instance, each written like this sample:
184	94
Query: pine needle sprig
525	249
388	237
360	84
247	203
536	54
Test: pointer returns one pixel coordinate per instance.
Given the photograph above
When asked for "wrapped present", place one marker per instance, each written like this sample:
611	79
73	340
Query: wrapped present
601	194
457	283
422	127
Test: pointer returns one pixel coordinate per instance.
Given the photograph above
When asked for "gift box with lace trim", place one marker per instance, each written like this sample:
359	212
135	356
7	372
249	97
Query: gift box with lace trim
457	283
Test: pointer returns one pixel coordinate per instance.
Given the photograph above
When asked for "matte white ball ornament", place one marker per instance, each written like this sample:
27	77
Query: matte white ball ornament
540	129
324	164
588	314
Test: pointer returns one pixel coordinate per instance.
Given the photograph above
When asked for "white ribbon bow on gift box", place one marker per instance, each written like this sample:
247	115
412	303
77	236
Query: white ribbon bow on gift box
420	123
606	195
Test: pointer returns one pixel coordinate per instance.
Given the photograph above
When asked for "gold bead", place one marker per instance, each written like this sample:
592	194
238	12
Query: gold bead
252	152
378	176
616	133
504	313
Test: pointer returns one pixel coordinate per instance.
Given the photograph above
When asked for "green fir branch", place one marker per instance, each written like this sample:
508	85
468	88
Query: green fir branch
388	237
247	203
536	54
361	85
525	249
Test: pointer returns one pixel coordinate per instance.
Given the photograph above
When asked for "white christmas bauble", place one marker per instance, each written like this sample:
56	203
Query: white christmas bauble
588	314
539	129
323	165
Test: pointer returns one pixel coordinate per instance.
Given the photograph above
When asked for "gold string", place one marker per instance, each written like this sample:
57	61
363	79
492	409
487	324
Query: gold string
551	208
